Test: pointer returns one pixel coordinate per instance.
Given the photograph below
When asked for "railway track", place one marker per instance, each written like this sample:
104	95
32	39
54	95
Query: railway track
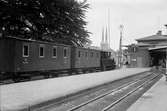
103	98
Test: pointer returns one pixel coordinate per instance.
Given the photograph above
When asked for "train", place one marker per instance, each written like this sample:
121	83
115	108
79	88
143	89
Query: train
27	58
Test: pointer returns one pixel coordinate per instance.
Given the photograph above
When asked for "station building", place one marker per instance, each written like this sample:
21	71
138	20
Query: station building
148	52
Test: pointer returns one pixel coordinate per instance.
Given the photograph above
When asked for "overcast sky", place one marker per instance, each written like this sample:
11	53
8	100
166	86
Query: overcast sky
140	18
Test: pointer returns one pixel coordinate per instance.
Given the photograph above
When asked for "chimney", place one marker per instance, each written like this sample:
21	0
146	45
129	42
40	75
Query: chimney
159	32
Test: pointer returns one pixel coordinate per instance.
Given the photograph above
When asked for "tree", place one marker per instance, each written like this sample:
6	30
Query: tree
52	20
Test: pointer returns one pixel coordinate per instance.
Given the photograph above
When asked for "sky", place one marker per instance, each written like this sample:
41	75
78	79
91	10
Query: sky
140	18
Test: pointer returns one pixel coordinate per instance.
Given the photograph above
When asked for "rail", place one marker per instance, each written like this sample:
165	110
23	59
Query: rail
131	92
108	93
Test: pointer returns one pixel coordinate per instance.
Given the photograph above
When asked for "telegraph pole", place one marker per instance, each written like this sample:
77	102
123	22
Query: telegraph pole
120	46
166	54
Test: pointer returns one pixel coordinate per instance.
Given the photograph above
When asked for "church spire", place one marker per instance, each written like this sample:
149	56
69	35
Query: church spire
106	36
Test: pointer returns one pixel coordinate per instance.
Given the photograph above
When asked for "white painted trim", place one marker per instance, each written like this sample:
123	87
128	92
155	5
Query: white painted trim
23	50
43	46
65	48
54	47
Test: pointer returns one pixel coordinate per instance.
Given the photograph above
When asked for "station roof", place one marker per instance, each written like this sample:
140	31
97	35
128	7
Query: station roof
153	37
142	44
158	47
138	45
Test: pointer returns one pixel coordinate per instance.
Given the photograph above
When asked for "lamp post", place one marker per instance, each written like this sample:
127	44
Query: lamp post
120	46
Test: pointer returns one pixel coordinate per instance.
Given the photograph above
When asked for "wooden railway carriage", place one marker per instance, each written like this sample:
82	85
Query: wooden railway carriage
28	56
85	59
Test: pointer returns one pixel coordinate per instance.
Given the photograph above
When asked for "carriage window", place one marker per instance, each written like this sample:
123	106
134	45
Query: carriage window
86	54
54	52
65	52
97	55
109	54
79	53
25	50
91	54
41	51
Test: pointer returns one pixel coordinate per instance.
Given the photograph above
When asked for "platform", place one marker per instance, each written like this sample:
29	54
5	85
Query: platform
14	97
155	99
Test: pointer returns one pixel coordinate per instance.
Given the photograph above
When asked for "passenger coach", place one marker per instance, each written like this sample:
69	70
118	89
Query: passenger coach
20	56
84	59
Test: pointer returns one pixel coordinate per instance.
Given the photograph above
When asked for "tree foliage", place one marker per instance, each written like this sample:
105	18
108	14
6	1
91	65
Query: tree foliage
53	20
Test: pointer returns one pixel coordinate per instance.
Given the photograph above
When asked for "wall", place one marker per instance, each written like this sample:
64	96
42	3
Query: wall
139	58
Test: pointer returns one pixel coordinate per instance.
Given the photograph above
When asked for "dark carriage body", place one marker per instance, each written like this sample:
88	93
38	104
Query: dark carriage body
85	59
7	55
13	59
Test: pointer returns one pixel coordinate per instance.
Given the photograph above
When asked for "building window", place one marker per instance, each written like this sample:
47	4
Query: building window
54	52
41	51
79	54
65	52
134	49
25	50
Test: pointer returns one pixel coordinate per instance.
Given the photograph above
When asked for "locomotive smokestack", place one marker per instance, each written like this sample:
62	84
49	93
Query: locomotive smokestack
166	29
159	32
